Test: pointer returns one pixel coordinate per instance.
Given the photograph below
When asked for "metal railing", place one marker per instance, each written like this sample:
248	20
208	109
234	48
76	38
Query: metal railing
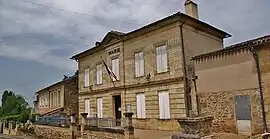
105	122
54	121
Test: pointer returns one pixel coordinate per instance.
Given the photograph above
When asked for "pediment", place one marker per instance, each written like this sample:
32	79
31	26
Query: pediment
110	36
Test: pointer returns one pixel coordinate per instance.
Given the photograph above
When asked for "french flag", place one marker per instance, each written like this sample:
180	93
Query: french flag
112	75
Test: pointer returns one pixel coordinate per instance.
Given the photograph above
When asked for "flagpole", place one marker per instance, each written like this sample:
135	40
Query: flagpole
107	70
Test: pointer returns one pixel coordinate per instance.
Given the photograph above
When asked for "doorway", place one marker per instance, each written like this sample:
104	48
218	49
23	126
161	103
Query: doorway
243	114
117	109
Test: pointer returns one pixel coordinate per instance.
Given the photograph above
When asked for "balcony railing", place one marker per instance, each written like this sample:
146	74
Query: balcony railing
105	122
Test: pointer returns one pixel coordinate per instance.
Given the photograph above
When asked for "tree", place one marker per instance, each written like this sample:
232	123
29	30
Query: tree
14	107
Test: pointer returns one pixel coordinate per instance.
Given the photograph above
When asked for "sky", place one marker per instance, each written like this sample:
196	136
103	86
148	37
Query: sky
37	37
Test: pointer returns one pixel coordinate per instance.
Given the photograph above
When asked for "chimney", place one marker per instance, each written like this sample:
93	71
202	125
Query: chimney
191	9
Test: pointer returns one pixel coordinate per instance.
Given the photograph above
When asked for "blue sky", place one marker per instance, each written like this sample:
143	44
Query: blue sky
36	42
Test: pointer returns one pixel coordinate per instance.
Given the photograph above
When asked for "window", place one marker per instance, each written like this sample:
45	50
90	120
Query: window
99	74
46	99
59	98
86	77
139	64
99	108
164	105
87	107
115	68
140	105
162	59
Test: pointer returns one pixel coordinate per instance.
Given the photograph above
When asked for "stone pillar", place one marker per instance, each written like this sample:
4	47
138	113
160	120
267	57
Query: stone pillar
83	123
129	129
195	128
16	126
73	126
9	127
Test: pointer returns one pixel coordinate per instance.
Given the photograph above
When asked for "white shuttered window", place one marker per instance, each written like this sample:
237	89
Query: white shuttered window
140	98
164	105
99	74
86	77
115	68
139	64
99	108
161	59
87	107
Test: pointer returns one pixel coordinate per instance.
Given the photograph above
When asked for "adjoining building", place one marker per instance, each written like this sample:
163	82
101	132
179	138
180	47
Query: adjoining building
152	68
59	99
228	86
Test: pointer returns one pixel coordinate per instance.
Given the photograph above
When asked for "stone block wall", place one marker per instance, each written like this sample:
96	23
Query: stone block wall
50	132
71	95
103	135
264	60
221	105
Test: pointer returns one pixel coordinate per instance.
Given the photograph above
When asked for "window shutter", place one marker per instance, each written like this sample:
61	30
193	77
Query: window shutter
137	65
99	74
115	68
86	77
161	106
143	113
138	106
166	100
164	58
99	108
140	99
87	107
158	59
164	105
141	64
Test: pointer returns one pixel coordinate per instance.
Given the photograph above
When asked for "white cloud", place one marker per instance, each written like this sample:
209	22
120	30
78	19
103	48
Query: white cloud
39	54
51	29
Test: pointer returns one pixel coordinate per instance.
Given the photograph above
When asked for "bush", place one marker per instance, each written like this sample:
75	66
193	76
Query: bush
26	128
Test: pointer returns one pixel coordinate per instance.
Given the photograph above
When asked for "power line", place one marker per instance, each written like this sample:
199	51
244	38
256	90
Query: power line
63	10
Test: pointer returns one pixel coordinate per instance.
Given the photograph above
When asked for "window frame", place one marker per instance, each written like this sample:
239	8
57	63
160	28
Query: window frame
143	64
165	69
99	80
85	77
112	68
142	113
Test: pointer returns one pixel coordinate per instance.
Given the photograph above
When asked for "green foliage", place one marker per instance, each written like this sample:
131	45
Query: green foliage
14	107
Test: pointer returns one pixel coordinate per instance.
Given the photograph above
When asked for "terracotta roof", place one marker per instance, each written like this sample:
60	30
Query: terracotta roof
179	16
57	83
53	111
246	44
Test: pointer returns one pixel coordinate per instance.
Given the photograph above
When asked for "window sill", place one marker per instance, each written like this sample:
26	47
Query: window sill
164	119
98	84
163	72
138	76
116	81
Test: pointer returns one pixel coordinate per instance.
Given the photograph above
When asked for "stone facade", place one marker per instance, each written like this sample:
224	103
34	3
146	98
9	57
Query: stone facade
124	46
222	106
71	96
59	98
230	72
264	60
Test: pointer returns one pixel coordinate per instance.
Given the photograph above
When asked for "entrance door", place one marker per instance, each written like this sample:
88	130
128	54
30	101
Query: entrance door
117	109
243	114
